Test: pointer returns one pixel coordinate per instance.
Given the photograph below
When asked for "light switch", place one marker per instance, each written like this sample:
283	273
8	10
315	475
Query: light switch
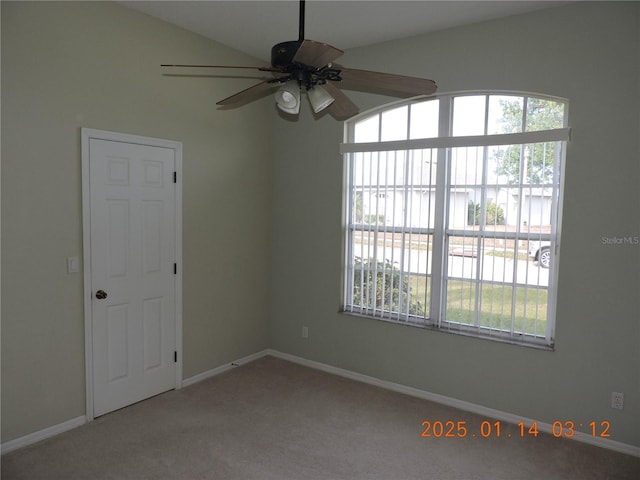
73	265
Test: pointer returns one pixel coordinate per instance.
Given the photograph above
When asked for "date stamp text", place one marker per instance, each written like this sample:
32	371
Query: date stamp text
496	429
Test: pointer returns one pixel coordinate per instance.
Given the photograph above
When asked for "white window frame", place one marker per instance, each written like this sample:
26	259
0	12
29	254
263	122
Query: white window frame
443	145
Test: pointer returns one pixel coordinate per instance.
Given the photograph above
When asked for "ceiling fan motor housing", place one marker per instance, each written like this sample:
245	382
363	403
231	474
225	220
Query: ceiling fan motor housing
282	53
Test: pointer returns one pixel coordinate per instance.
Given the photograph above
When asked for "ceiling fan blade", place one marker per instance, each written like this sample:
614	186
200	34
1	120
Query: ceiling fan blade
398	85
262	69
342	107
250	93
316	54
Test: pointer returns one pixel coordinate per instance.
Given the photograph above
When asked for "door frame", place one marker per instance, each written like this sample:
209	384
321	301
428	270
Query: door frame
87	134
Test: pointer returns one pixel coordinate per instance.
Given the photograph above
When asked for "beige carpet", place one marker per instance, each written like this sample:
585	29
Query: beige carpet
271	419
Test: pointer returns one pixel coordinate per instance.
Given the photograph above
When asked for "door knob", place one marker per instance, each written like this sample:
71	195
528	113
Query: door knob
101	294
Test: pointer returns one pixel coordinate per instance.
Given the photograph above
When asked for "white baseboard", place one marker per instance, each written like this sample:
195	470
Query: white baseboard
78	421
48	432
455	403
396	387
223	368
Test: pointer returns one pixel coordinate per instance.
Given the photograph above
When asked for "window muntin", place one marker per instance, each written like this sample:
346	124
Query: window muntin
438	236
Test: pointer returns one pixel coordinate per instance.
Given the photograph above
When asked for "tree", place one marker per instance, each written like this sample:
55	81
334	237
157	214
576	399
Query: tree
535	159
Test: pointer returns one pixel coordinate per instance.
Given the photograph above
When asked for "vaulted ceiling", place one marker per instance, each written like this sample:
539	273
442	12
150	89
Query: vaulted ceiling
254	26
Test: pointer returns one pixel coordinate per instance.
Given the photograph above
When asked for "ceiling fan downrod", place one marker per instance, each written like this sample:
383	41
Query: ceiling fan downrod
282	53
301	22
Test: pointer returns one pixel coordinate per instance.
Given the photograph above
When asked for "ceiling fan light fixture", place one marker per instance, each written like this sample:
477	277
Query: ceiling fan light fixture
319	98
288	97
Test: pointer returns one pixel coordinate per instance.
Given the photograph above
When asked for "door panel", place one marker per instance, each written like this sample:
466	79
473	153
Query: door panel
132	256
118	237
152	324
117	322
152	236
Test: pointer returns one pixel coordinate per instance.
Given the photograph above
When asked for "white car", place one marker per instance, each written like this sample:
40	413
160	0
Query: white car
541	253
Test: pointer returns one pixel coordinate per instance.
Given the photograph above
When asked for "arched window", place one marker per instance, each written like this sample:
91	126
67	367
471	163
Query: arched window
452	212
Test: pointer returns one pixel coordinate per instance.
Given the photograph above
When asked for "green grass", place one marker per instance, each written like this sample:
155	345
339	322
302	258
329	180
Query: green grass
529	311
497	308
530	306
420	291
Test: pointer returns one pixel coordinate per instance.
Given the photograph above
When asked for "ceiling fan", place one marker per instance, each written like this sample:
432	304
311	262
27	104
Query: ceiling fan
307	65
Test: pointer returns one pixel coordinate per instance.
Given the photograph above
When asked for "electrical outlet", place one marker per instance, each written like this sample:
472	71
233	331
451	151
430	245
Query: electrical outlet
617	400
305	332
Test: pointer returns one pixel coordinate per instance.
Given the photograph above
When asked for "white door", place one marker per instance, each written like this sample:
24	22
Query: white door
133	271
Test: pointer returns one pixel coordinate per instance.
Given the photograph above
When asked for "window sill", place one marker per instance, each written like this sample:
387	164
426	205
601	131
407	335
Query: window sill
460	332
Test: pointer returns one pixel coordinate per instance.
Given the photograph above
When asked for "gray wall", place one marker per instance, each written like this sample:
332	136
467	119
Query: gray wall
96	65
587	53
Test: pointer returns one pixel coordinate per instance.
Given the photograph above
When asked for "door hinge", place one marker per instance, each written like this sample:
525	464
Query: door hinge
175	177
175	357
175	268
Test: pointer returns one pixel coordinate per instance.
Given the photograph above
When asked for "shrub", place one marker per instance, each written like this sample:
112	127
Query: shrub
391	289
494	214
